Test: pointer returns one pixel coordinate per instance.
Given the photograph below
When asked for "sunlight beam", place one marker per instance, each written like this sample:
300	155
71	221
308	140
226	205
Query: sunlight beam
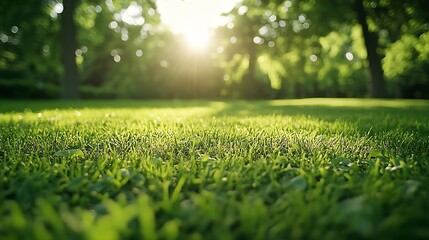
194	19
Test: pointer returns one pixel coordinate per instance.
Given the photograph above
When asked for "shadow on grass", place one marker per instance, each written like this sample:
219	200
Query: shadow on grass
362	114
329	109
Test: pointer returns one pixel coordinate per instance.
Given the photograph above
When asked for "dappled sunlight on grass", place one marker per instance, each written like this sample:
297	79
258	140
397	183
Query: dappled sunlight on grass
40	105
352	103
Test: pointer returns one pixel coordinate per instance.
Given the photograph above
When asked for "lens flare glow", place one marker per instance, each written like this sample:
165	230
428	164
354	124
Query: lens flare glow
197	39
194	19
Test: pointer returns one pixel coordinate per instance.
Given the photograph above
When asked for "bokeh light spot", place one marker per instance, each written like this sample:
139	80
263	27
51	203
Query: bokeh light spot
117	58
233	39
242	10
139	53
78	52
258	40
306	25
113	25
14	29
58	8
349	56
98	9
164	64
133	14
301	18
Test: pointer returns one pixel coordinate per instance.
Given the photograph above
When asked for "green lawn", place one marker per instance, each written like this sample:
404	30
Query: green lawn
284	169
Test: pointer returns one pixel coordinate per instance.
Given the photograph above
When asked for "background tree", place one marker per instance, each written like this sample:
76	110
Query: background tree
28	50
330	15
268	49
241	44
68	48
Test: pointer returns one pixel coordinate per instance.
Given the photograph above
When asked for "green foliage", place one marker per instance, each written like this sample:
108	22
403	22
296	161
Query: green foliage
354	168
266	48
28	58
274	69
406	65
337	74
399	59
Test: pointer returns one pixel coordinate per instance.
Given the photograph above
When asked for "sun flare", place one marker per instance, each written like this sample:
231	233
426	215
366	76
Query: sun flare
197	39
194	19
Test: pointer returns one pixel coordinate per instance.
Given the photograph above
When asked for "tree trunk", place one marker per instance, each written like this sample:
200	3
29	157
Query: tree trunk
68	47
298	90
377	85
249	80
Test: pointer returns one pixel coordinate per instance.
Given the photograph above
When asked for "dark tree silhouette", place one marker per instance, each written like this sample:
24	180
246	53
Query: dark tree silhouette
69	45
377	85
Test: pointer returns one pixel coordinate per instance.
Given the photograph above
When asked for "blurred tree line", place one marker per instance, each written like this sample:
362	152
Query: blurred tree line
269	49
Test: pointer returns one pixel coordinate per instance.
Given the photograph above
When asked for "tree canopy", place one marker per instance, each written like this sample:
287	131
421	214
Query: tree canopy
259	49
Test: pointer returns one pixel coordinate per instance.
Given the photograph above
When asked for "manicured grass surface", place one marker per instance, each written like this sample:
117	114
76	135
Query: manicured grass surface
286	169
